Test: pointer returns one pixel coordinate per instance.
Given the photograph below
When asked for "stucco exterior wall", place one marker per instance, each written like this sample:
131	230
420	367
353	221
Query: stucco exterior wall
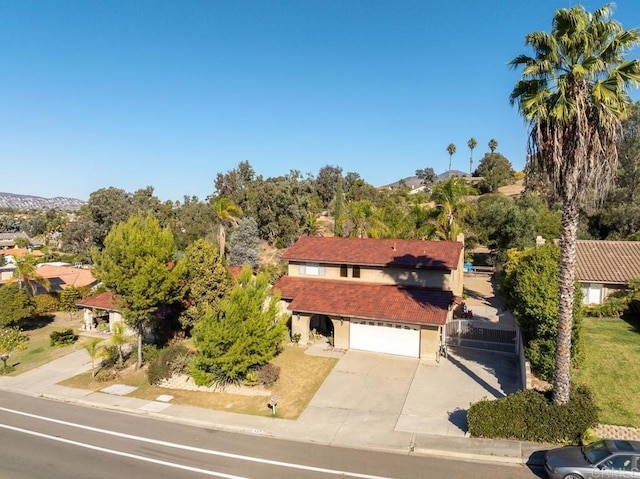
429	341
340	333
439	279
300	325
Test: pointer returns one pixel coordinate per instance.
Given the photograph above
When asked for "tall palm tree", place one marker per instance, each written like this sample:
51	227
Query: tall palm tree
451	149
472	143
573	94
226	212
493	144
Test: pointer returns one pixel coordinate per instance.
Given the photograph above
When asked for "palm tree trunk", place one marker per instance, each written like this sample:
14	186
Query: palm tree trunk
568	237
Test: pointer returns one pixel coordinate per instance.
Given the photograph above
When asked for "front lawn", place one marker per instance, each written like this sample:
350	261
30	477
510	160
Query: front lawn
300	377
38	350
612	368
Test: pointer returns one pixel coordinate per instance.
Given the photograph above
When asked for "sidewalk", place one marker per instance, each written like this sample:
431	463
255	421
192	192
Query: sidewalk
371	432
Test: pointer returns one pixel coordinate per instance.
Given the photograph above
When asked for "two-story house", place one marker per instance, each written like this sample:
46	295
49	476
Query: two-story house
380	295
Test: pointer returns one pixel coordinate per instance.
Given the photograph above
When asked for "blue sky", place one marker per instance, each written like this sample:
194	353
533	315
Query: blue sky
132	93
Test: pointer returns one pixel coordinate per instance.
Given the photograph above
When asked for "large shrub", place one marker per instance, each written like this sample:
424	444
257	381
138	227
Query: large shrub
246	333
531	415
63	337
48	303
530	286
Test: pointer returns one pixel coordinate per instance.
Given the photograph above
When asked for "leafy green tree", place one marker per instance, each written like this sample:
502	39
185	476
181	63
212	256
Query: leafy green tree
472	143
451	149
78	238
496	171
107	207
237	184
573	93
17	305
138	264
207	281
10	340
245	244
281	207
326	183
349	179
246	333
361	190
451	208
68	298
192	219
427	175
529	286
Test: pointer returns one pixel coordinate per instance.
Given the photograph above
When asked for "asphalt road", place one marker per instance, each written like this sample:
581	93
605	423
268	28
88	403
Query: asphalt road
49	439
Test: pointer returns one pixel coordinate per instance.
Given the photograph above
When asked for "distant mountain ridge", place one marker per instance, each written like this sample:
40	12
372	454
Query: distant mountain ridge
29	202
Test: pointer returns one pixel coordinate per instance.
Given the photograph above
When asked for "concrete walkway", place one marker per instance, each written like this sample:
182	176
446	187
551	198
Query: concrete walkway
369	401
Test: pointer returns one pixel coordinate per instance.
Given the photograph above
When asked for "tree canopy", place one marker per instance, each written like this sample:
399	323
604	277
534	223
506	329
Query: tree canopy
138	263
247	332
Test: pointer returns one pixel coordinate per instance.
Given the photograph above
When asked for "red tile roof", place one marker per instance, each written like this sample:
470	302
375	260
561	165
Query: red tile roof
365	300
613	262
100	301
376	252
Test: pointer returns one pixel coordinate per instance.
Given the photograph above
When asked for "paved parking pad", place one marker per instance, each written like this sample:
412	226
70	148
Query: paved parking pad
370	394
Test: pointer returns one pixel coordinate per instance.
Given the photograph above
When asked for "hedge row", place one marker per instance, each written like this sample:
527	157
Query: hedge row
532	416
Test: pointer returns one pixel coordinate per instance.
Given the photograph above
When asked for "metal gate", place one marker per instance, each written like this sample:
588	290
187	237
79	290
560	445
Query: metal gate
482	334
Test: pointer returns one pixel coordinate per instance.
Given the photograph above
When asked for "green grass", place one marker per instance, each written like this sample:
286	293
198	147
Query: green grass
612	369
38	350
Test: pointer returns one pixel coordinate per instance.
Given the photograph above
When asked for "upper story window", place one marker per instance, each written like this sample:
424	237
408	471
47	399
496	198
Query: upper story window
312	269
343	271
356	271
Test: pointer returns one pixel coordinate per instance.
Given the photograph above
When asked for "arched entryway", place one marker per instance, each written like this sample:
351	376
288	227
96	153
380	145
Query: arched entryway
322	325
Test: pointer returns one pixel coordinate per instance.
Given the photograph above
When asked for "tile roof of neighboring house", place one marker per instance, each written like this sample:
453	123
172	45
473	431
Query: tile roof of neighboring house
100	301
365	300
378	252
607	261
61	277
17	252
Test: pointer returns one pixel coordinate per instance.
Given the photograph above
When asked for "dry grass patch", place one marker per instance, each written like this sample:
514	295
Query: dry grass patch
300	377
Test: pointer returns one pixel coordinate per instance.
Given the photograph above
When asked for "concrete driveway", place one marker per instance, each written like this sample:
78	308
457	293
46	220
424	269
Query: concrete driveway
372	394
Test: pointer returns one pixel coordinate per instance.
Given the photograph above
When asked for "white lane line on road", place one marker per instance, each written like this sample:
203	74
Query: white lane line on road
197	449
124	454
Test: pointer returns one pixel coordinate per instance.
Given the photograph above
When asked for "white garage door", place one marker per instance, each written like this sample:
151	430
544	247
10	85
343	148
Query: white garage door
379	337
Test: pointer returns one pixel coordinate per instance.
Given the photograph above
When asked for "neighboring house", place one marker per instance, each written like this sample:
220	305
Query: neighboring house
8	240
63	276
380	295
604	267
98	307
